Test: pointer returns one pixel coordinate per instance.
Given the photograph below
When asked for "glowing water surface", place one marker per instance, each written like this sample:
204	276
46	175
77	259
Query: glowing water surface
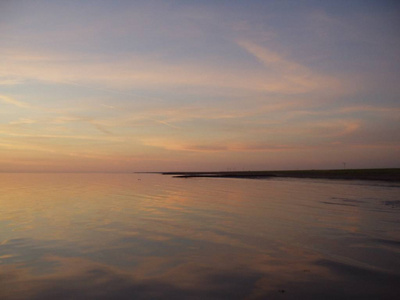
148	236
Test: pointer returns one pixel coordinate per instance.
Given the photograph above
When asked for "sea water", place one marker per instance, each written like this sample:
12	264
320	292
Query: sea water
149	236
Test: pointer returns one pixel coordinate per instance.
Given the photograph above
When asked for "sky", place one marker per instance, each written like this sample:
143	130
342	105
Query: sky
128	86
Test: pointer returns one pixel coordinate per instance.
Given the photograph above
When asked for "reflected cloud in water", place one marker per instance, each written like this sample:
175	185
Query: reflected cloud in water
98	236
77	278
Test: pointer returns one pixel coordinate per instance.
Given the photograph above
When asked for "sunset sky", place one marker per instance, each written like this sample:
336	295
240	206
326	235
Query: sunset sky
109	86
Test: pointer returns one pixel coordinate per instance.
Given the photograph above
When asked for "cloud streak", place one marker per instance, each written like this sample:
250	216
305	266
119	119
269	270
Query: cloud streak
279	75
12	101
285	75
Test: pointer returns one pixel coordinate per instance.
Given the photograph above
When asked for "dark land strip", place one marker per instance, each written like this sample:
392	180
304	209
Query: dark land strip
391	175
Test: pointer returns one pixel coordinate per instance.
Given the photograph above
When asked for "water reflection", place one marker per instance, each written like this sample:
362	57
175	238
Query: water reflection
99	236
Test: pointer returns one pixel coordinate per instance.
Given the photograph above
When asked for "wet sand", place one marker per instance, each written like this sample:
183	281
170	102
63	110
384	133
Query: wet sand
391	175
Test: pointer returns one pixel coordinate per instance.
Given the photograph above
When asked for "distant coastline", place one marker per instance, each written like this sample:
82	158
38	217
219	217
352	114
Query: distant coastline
391	175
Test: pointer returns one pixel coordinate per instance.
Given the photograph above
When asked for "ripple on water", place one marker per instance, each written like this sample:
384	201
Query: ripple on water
198	238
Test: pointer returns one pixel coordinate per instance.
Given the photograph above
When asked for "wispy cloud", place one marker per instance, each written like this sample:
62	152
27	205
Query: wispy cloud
10	81
107	106
227	147
284	75
23	121
101	128
335	128
61	136
280	75
12	101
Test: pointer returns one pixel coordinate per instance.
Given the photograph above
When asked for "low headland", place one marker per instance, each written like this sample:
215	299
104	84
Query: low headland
391	175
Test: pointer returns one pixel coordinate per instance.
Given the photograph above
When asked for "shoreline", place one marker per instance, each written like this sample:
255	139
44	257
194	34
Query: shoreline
388	175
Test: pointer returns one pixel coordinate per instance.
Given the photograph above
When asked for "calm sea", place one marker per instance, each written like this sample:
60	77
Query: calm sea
148	236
